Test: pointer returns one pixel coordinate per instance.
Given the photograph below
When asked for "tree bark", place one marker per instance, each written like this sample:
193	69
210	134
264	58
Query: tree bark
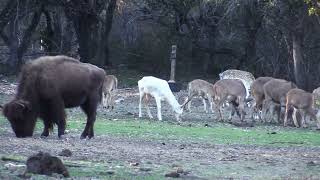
299	70
27	35
7	13
108	26
67	38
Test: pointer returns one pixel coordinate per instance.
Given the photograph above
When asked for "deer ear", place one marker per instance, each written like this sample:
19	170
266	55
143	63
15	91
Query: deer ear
187	99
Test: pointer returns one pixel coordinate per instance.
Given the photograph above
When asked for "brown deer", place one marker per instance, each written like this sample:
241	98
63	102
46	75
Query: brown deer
232	91
302	102
203	89
258	94
275	92
109	88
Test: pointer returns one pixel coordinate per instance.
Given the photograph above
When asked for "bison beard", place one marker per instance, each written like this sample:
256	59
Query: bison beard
49	84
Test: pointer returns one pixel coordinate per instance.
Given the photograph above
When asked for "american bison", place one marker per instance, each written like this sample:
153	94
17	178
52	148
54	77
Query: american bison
49	84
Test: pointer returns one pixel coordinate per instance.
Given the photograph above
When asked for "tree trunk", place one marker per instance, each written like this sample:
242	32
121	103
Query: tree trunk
299	70
108	26
13	44
7	13
27	35
82	27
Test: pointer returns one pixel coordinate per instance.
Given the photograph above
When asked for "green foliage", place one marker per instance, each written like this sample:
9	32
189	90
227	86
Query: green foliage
314	7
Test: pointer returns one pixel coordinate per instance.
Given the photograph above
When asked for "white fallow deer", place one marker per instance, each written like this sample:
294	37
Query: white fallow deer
109	88
160	90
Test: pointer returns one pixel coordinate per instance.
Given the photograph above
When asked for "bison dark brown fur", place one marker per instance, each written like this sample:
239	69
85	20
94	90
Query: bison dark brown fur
49	84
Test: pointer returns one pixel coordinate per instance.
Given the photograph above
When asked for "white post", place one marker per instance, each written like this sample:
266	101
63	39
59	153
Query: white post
173	63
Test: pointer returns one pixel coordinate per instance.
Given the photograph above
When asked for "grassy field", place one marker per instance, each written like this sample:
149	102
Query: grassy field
219	133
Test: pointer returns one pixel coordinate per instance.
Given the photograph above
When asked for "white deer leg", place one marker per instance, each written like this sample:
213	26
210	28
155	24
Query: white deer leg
158	101
140	101
147	106
189	104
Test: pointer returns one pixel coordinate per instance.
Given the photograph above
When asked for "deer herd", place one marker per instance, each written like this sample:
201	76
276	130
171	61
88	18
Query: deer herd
237	91
50	84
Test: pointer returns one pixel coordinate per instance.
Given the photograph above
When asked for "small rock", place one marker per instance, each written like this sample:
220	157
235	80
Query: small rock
172	174
110	172
311	163
175	165
163	143
45	164
272	133
66	153
13	167
182	146
119	100
207	125
129	113
145	169
180	170
134	164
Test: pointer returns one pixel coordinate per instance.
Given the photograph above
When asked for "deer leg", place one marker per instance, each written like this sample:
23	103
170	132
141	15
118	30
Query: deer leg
317	117
241	108
158	101
219	107
285	121
147	99
295	121
204	104
232	111
189	104
140	104
303	118
109	100
265	107
211	103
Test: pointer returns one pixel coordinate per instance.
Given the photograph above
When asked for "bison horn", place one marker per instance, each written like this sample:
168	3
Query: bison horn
20	104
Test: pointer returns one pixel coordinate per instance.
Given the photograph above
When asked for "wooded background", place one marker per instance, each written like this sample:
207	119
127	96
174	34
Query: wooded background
279	38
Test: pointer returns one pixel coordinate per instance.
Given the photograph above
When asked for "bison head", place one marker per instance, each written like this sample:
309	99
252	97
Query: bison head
19	114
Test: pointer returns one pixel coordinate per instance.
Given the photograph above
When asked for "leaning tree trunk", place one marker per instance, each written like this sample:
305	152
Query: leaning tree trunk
299	70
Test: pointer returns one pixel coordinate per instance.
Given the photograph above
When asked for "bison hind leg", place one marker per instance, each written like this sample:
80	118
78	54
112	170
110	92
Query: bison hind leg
90	108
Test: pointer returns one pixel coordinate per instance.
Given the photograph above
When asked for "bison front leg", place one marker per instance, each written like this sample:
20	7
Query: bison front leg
46	128
90	108
57	114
